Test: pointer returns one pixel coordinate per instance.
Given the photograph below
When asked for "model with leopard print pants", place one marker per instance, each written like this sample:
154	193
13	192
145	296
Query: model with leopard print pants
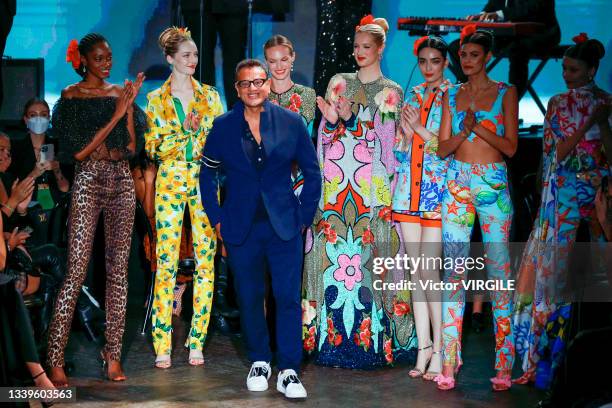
98	126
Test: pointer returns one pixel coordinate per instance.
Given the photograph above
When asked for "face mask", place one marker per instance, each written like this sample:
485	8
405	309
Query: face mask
38	124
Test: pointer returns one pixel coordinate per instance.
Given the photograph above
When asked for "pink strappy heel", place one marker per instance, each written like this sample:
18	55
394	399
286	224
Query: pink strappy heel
501	383
444	383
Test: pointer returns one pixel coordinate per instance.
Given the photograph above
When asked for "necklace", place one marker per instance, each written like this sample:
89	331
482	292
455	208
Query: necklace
286	90
93	91
473	94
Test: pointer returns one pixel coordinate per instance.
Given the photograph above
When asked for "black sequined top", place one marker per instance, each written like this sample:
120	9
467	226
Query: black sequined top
76	120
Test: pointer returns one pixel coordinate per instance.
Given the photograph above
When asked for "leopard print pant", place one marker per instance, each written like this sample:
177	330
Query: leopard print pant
98	186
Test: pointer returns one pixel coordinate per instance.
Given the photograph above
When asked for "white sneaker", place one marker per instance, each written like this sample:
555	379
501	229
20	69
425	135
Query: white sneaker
258	376
289	384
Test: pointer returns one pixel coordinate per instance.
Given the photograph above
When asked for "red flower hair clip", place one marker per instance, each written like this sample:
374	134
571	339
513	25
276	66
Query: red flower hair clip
418	43
73	55
580	38
369	19
183	31
467	30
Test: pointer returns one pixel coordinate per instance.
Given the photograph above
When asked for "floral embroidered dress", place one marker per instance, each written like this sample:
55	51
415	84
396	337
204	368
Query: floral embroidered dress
541	316
299	99
348	320
302	100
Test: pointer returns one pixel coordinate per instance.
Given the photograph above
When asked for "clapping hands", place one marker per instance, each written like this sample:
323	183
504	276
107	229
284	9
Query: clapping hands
469	121
128	95
192	122
328	110
343	106
332	111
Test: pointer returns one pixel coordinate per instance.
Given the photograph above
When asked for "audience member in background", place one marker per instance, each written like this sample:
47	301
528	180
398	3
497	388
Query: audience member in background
35	156
28	228
573	166
18	353
14	198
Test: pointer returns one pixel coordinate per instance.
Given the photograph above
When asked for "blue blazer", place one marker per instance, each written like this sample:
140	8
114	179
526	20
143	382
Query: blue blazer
286	140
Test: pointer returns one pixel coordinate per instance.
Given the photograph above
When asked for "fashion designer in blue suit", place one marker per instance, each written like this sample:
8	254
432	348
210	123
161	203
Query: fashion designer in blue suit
261	220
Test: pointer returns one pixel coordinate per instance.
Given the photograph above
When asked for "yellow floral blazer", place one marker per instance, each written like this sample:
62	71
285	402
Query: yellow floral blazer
165	138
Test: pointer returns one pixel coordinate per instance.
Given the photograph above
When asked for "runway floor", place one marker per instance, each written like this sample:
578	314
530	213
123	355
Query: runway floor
221	383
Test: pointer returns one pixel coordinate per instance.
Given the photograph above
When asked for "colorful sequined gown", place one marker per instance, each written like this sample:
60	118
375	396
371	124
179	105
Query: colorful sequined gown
347	322
541	315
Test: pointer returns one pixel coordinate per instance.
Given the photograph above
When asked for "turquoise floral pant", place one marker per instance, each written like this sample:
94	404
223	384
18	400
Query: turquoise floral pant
470	190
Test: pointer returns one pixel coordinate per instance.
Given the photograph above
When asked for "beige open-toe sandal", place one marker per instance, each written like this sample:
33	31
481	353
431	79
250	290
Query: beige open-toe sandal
196	358
163	361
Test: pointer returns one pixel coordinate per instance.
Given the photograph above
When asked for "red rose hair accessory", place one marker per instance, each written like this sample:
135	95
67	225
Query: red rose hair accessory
73	55
580	38
467	30
369	19
418	43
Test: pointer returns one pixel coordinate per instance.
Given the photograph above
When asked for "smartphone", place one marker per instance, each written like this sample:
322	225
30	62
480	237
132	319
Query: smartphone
47	152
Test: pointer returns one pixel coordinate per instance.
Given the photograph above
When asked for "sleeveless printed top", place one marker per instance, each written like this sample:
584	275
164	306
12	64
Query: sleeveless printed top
492	119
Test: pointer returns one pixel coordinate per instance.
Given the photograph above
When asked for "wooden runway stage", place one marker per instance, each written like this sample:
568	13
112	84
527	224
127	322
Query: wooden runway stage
221	383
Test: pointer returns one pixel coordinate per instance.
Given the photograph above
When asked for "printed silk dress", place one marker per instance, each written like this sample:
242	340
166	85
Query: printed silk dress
542	313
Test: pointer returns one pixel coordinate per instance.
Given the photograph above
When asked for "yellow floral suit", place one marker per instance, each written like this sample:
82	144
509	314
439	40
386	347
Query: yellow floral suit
177	184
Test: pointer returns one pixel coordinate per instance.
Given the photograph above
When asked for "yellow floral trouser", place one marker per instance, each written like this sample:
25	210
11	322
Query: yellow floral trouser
178	184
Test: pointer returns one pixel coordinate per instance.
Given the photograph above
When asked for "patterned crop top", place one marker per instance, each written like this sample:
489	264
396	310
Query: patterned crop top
492	119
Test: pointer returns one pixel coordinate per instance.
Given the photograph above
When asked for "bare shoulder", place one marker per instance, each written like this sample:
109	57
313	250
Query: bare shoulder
115	90
70	91
511	94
